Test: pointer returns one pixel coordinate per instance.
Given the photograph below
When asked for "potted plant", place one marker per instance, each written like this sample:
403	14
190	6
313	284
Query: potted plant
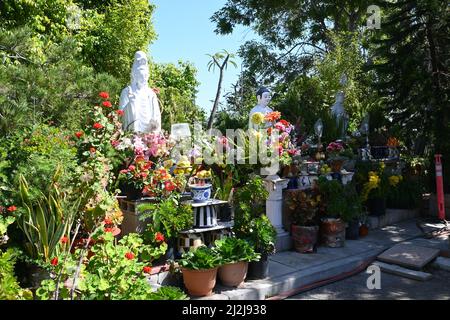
223	182
235	255
336	160
334	206
199	269
252	225
375	189
166	219
303	206
353	213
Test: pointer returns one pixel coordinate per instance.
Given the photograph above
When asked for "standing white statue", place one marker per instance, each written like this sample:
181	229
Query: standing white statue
263	97
138	101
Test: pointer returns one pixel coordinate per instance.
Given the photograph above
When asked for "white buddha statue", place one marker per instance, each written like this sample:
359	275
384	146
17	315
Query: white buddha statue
263	97
138	101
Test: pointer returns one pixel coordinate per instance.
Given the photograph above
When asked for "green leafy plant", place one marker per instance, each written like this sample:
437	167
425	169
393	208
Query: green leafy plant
304	207
168	293
232	250
47	220
111	272
168	216
334	203
200	259
9	287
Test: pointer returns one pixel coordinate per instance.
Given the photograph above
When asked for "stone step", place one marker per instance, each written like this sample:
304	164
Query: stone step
403	272
409	256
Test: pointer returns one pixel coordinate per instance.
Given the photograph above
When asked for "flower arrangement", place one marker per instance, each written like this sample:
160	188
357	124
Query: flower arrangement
334	149
377	184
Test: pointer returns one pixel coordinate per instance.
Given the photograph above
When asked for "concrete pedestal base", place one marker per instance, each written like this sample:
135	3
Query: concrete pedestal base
284	241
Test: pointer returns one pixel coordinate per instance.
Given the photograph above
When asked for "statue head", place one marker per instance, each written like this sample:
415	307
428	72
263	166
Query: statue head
139	70
263	96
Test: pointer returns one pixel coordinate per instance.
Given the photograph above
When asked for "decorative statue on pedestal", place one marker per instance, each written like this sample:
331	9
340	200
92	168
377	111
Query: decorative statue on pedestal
263	96
338	110
139	102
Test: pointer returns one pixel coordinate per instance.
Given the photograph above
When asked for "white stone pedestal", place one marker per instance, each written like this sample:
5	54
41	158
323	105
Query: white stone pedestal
274	210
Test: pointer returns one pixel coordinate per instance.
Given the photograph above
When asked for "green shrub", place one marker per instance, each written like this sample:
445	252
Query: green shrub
9	287
168	293
200	259
232	250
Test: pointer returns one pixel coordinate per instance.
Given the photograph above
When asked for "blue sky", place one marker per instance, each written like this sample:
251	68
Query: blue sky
185	32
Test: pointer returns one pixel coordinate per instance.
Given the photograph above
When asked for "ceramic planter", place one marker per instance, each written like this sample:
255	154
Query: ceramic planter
233	274
305	238
332	232
199	283
200	193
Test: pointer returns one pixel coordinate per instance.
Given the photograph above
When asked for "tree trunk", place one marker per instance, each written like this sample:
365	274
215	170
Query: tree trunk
219	88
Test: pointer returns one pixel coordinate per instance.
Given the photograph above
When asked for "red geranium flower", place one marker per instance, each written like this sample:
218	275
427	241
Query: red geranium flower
129	255
144	174
92	150
284	123
147	269
78	134
107	221
54	261
11	208
104	95
97	125
120	112
107	104
131	168
64	240
159	237
169	186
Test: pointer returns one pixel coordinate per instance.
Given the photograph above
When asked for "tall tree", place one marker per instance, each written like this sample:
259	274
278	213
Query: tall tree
412	62
219	60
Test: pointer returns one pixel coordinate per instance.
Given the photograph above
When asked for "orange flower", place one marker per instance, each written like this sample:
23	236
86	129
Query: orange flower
272	116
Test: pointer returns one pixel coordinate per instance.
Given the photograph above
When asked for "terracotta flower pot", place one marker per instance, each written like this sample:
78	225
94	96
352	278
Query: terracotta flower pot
233	274
199	283
305	238
332	232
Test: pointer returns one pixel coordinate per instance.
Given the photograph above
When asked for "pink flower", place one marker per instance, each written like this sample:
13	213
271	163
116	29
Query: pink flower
123	171
131	168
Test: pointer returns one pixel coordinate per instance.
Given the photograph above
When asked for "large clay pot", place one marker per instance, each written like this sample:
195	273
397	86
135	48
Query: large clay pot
199	283
259	269
332	232
233	274
305	238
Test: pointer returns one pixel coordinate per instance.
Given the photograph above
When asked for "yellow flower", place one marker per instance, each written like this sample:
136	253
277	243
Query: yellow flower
382	165
257	118
393	180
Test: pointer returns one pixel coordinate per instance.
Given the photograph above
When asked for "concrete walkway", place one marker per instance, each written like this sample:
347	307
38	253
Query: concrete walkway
290	270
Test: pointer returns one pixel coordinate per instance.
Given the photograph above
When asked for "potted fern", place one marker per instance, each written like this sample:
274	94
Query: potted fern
235	255
199	269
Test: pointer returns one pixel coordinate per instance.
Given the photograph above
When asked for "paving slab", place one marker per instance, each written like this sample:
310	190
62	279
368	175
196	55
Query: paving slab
442	263
408	255
403	272
439	242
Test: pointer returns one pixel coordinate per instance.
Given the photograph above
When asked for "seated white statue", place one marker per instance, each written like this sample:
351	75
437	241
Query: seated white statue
138	101
263	96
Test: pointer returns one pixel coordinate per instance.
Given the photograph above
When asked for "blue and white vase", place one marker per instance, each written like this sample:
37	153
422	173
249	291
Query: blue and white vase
201	193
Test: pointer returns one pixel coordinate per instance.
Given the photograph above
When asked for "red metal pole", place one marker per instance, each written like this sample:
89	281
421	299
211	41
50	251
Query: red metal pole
439	187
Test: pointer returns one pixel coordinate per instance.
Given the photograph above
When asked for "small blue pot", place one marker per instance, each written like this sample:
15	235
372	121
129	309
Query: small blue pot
201	193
